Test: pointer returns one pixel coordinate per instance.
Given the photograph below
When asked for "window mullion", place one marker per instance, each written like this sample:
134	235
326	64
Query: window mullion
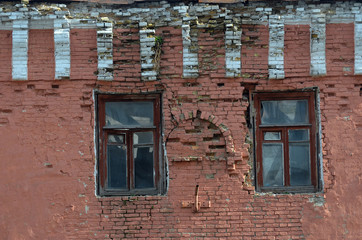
103	164
260	157
312	163
286	157
155	156
130	160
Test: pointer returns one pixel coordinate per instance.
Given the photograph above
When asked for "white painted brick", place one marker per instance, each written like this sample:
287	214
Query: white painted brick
318	45
41	24
147	52
20	50
105	50
190	57
61	48
82	23
276	47
358	44
232	51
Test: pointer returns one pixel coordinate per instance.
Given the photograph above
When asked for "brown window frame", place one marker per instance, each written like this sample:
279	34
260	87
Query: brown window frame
260	129
127	131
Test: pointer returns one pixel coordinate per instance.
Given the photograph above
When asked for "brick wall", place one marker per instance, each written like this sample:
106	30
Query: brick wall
47	128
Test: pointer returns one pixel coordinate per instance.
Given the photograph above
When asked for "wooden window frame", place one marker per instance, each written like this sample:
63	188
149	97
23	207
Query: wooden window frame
103	132
310	96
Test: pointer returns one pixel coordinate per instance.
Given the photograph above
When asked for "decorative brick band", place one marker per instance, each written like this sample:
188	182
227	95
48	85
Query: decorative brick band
61	48
276	47
20	50
318	44
190	18
232	47
105	50
358	44
147	44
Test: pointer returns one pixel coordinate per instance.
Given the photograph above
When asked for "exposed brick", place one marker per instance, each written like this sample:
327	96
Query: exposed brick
48	127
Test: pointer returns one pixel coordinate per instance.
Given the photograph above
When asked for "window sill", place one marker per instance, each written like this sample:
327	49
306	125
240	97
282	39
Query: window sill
287	190
138	192
285	125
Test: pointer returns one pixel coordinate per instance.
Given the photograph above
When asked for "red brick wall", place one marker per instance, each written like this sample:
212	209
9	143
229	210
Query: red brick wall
5	55
340	49
83	48
296	51
47	130
126	55
41	55
254	52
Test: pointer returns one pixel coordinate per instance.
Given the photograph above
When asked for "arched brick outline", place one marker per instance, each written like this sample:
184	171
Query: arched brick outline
232	156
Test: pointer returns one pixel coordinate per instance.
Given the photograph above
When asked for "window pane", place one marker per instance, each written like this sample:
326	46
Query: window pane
272	136
116	139
143	164
298	135
135	114
284	112
143	138
273	164
117	166
299	164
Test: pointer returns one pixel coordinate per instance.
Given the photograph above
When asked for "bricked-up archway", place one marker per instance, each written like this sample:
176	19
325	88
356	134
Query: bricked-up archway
201	135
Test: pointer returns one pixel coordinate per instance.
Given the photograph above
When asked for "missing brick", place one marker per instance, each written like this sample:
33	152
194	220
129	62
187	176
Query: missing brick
173	140
217	146
191	84
189	143
6	111
207	139
212	127
216	137
196	130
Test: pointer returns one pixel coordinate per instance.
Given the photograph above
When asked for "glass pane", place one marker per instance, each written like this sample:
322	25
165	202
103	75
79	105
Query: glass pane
117	166
143	138
299	164
298	135
284	112
273	164
143	164
129	114
272	136
116	139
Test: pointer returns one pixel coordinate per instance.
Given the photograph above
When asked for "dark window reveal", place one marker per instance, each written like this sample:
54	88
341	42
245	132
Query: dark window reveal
286	139
129	145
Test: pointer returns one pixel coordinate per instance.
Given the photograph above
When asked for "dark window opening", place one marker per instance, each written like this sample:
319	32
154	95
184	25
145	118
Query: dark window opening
130	161
286	142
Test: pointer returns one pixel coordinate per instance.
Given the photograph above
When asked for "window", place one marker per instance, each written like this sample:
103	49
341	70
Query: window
286	142
129	145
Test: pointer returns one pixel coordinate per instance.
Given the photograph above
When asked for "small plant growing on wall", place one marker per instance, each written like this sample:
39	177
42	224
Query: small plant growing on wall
158	51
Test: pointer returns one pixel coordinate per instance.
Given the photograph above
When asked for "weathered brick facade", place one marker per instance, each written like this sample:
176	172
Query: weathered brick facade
49	158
